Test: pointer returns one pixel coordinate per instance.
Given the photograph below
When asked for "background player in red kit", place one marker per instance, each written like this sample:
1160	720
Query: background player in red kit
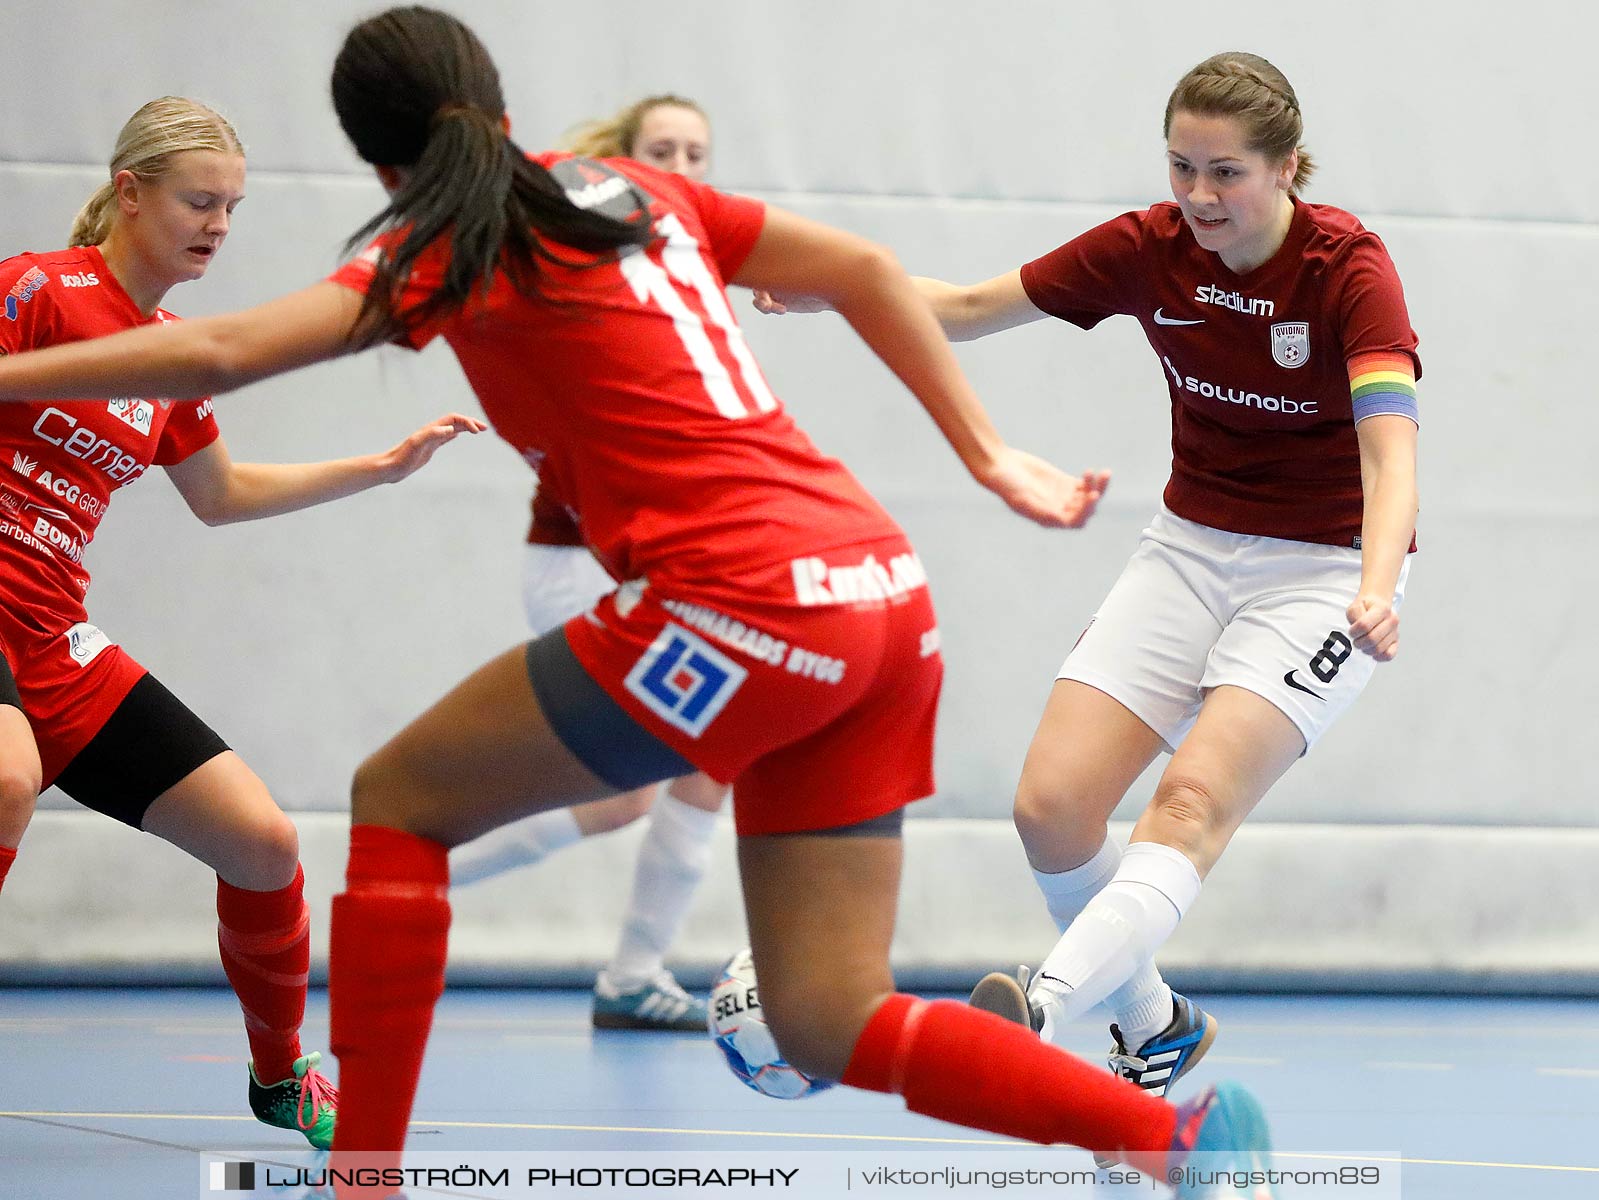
1267	588
560	578
75	709
775	627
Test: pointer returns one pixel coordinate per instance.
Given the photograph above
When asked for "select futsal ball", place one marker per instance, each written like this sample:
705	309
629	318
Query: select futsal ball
740	1033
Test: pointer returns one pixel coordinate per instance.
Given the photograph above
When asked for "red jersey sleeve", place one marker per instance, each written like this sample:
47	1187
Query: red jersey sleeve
732	224
1091	277
28	315
1370	303
191	426
360	271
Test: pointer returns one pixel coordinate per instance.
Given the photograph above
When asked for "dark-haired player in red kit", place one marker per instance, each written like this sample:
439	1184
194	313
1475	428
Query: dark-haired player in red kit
75	709
773	626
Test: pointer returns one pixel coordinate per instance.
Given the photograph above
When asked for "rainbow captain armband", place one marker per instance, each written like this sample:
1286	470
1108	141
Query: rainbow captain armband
1383	382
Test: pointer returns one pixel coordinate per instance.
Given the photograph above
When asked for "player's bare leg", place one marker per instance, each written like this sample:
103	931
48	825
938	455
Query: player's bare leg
1088	751
480	757
1239	747
222	814
20	780
821	916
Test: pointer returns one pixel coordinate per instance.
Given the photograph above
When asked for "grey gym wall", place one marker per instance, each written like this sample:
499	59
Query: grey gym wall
969	138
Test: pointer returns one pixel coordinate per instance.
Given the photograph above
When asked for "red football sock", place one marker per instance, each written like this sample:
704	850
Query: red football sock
8	855
964	1065
265	938
385	973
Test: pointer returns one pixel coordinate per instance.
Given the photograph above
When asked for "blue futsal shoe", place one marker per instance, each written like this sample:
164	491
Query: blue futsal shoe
1222	1147
1171	1053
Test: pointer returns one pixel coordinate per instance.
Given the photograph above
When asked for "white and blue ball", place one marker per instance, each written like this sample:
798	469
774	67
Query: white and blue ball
740	1033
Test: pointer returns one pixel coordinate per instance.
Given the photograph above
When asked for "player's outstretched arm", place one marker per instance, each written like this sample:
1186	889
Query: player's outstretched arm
976	310
965	312
1388	481
866	285
220	491
189	359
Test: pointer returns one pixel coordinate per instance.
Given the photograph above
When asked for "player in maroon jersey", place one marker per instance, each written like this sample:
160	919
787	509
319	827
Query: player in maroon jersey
75	709
774	627
560	578
1267	588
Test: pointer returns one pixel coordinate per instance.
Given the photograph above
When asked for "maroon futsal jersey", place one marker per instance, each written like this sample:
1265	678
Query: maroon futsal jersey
61	460
1259	366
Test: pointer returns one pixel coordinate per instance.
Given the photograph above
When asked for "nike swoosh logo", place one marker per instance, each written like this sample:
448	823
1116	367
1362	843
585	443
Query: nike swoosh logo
1294	683
1162	319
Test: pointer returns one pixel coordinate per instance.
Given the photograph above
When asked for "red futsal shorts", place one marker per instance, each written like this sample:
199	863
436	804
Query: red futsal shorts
70	682
813	690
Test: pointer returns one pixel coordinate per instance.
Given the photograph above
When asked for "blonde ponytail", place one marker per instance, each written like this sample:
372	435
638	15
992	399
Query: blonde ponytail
93	223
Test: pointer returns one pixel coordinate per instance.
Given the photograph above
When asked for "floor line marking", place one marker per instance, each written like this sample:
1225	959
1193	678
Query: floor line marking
1407	1160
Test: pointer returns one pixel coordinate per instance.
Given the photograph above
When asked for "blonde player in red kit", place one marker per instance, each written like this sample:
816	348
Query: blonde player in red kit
773	628
76	710
1266	590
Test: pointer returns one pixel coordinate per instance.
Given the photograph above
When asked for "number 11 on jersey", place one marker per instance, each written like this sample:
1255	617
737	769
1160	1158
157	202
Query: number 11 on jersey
686	268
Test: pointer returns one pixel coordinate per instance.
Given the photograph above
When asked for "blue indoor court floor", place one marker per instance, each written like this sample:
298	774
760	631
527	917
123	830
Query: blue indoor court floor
116	1094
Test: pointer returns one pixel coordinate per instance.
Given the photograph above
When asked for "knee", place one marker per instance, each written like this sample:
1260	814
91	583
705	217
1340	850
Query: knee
270	846
379	791
1057	830
1189	811
19	792
698	791
617	812
816	1032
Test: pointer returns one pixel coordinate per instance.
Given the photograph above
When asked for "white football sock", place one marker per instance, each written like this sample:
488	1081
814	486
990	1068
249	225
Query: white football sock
1117	932
519	844
1067	893
671	863
1143	1004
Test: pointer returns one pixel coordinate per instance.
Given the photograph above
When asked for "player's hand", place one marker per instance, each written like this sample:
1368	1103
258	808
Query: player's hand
1374	626
777	306
413	454
1042	492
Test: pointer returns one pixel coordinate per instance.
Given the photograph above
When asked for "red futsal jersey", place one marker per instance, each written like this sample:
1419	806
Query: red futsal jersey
1258	365
633	394
784	638
61	460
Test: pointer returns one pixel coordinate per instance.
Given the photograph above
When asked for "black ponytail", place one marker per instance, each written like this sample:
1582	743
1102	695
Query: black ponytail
414	88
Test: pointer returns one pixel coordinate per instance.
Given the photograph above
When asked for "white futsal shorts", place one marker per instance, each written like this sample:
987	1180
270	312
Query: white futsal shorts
558	583
1198	607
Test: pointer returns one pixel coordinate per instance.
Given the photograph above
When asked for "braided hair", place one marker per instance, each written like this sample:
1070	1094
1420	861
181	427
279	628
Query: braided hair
1248	88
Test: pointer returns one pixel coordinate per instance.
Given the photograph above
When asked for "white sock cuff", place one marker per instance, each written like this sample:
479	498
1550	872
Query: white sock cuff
1090	877
519	844
1168	871
556	829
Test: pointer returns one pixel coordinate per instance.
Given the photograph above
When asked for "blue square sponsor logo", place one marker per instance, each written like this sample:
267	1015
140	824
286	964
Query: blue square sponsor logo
684	680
